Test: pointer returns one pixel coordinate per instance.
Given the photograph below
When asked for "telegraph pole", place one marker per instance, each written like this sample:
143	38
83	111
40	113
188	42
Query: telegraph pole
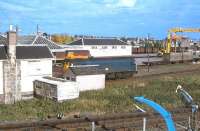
37	29
148	51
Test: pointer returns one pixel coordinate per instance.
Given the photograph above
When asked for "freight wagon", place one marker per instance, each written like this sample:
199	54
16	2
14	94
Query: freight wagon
113	67
182	56
142	50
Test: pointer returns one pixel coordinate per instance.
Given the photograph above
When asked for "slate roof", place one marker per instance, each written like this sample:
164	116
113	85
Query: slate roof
33	40
33	52
3	54
27	52
3	40
89	70
44	41
26	39
98	41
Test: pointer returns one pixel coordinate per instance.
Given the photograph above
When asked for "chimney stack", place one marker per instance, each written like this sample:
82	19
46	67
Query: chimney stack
11	47
10	69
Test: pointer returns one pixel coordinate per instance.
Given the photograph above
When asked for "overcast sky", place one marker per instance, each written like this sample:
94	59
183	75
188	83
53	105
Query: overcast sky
100	17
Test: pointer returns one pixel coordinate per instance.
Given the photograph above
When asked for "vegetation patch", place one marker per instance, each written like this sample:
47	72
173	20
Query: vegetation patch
115	98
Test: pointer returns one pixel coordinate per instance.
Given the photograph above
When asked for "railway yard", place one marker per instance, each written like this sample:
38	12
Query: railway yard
98	84
112	109
99	65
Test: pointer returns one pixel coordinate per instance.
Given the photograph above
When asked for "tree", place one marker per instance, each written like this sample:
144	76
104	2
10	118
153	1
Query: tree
61	39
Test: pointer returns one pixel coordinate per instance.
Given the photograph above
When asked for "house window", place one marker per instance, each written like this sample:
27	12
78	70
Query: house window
114	47
123	47
104	47
94	47
38	87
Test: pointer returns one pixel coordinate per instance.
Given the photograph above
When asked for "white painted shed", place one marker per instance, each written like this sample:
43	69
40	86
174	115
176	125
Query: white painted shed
56	88
87	78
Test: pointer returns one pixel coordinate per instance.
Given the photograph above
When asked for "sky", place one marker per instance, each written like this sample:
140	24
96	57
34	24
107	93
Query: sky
125	18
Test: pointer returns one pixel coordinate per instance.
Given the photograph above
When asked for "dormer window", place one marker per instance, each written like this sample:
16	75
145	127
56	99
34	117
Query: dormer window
104	47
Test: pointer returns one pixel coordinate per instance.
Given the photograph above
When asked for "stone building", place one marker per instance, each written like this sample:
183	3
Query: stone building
20	65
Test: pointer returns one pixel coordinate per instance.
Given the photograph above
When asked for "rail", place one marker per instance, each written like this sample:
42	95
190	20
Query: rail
113	121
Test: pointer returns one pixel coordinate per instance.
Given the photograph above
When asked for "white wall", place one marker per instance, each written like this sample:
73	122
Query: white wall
109	51
91	82
100	51
1	77
67	91
31	70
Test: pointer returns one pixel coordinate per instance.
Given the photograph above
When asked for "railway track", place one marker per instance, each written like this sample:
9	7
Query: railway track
167	73
112	122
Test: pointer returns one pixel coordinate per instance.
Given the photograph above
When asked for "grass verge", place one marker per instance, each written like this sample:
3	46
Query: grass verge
114	98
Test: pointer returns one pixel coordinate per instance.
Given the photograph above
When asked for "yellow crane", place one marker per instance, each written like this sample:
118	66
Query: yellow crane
174	31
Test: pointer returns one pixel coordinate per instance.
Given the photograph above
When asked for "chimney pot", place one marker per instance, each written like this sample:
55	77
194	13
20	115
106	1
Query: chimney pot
11	28
11	47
